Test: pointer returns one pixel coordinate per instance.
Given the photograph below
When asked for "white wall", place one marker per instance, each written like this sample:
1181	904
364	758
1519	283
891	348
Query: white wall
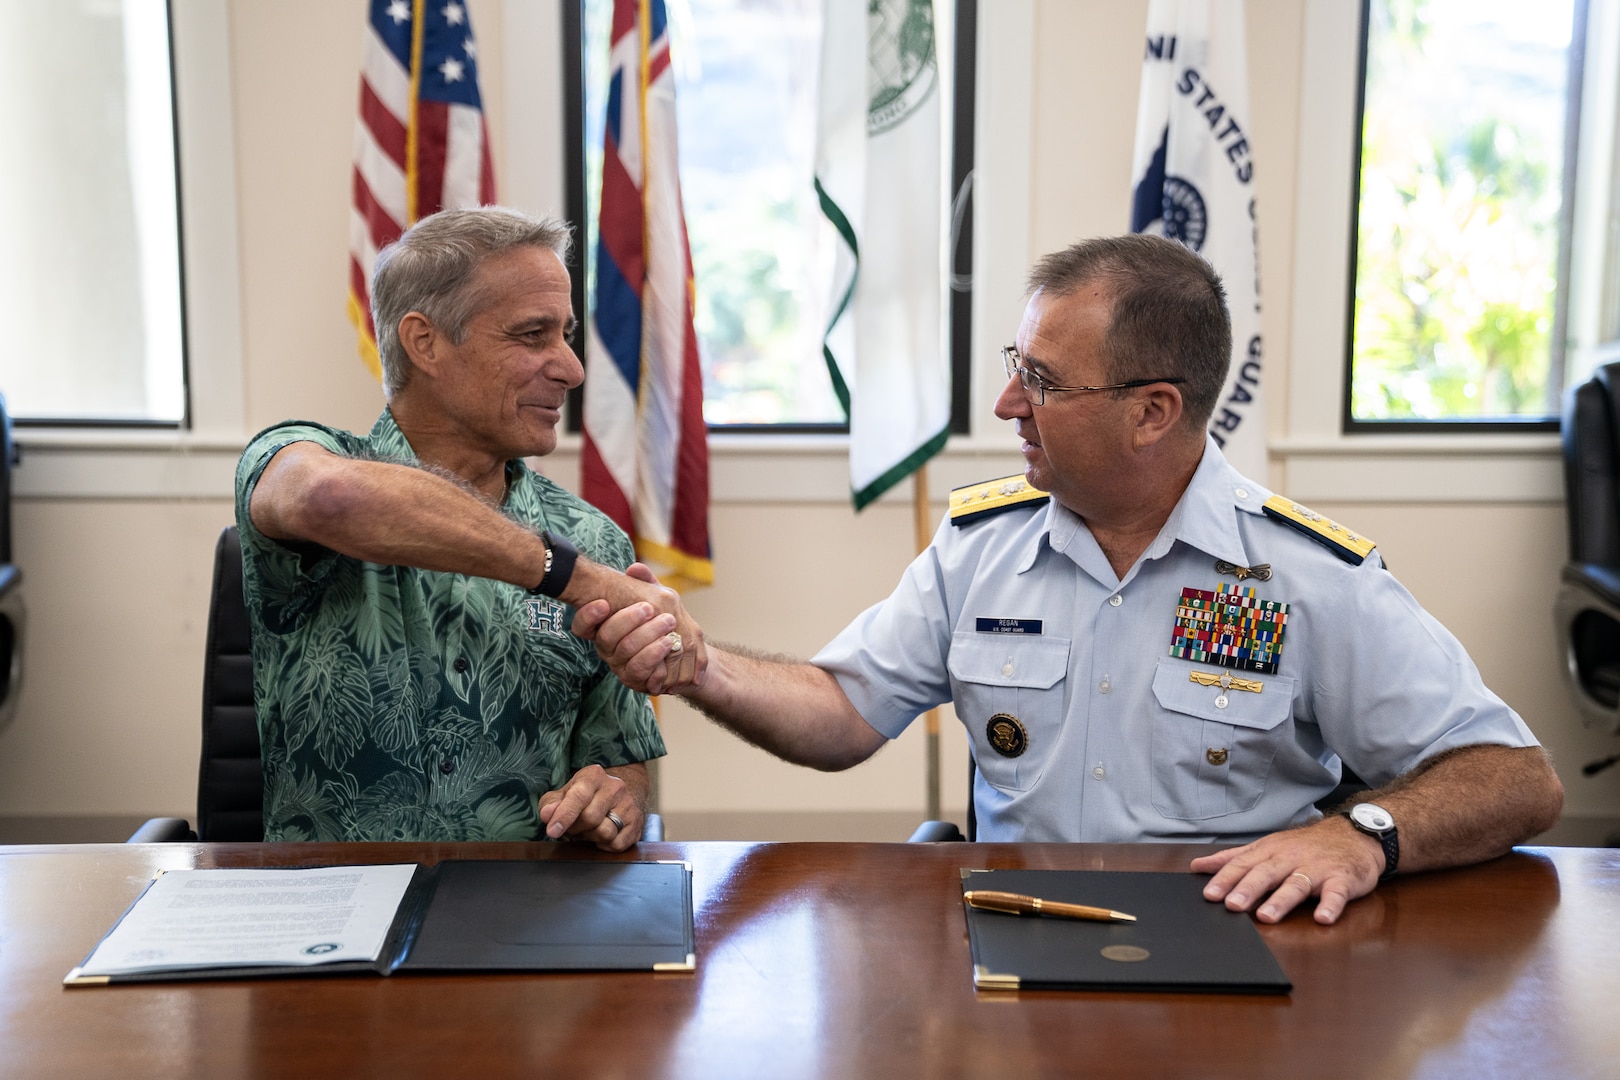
115	535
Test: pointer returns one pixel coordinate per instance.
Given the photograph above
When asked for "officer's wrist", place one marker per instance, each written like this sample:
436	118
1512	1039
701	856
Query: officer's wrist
1368	842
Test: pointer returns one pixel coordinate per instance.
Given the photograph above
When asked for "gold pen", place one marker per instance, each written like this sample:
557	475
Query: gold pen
1018	904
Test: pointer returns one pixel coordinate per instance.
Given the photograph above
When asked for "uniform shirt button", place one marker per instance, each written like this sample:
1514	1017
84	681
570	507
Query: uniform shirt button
1243	493
1105	686
1116	600
460	664
447	766
1007	668
1099	772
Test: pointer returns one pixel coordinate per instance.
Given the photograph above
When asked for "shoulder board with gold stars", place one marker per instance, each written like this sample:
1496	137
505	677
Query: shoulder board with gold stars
981	500
1353	548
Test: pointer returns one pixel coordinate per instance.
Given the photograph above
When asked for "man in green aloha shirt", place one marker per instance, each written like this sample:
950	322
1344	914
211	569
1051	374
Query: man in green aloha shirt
411	590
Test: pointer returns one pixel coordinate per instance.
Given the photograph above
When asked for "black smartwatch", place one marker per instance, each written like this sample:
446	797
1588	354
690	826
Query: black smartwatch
1378	823
560	558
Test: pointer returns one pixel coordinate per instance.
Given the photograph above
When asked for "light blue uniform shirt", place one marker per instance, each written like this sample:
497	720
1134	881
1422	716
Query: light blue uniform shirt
1120	743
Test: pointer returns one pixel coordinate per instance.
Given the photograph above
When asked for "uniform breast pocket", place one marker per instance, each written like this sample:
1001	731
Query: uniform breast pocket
1009	693
1213	749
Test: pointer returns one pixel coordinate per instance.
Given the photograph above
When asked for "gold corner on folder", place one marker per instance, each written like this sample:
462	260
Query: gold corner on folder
985	979
75	979
689	964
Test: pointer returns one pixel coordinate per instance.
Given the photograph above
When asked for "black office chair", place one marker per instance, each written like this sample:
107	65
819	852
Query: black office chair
1587	608
13	614
934	832
230	777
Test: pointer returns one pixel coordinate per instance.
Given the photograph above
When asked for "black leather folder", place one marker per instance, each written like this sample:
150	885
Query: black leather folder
555	916
494	915
1179	941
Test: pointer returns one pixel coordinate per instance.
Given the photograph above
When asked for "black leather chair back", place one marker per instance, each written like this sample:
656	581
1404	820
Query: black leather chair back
8	459
230	779
13	612
1592	468
1586	611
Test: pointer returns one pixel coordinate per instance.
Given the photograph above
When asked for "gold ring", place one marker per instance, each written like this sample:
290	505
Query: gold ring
1298	874
675	643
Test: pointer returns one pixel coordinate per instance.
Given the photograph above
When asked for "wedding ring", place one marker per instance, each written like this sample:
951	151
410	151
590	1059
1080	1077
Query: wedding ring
675	643
1298	874
618	822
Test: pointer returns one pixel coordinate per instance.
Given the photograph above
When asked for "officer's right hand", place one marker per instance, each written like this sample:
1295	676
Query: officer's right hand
653	651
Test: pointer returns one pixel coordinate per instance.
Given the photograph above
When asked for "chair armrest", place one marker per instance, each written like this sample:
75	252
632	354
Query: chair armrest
933	832
162	830
1601	582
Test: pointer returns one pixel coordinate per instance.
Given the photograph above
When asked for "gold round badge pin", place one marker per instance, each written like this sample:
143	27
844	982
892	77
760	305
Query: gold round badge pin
1006	735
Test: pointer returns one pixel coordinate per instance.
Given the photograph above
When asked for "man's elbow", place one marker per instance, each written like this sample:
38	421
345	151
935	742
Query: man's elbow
1531	793
858	744
317	502
1549	801
838	760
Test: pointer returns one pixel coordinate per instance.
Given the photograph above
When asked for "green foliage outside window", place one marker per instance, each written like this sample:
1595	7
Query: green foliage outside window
1458	223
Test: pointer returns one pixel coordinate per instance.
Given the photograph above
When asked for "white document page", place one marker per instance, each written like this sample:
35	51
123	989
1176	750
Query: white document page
215	918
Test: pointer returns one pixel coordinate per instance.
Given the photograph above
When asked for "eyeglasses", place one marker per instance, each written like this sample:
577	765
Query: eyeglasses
1036	388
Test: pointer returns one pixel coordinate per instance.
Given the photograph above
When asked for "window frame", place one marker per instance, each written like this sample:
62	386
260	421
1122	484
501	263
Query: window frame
185	421
959	333
1558	346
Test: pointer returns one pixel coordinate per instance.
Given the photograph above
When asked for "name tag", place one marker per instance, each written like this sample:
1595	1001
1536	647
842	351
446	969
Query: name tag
1009	626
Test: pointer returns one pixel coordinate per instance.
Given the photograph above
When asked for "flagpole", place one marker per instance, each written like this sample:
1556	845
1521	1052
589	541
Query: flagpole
922	531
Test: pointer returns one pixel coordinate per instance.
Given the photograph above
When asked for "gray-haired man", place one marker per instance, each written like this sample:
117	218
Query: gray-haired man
409	589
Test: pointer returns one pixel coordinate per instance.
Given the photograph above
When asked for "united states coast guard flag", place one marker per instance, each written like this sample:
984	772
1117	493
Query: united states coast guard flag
878	178
1194	177
420	145
646	458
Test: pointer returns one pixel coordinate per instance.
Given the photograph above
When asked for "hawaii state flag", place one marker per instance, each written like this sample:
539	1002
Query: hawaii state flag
420	144
646	457
1194	182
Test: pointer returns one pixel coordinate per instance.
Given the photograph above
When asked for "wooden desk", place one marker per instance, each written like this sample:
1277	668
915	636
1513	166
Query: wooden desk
845	960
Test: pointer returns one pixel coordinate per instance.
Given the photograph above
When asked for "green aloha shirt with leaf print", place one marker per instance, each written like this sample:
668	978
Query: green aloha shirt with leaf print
404	704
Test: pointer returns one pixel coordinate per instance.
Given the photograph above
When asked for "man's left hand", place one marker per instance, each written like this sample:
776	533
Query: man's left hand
580	809
1329	859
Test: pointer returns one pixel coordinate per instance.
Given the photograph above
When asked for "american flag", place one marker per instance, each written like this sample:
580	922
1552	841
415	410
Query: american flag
646	457
420	143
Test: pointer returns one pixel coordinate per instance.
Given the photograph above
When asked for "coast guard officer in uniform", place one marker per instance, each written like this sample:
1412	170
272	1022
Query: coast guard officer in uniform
1144	644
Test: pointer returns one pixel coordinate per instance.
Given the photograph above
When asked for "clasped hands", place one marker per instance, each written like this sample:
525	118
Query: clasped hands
651	643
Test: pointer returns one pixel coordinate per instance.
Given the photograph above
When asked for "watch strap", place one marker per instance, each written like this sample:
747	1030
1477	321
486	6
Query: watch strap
561	555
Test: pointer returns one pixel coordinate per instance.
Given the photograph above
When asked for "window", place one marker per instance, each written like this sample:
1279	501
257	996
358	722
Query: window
1463	207
89	228
746	73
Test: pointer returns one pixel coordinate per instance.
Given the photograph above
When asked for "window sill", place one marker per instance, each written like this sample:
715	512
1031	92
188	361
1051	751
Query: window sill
1441	468
85	463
